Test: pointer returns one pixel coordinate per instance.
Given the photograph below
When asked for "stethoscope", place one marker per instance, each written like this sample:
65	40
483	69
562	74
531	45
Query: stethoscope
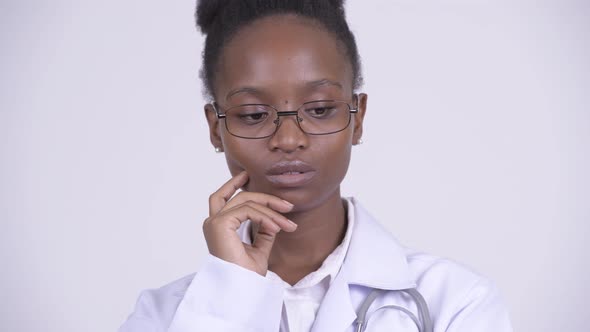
424	323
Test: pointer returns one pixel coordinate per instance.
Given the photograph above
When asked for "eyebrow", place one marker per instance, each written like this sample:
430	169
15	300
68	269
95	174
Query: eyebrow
325	81
311	84
242	90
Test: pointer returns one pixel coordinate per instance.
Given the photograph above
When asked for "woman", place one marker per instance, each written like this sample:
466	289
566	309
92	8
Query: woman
287	252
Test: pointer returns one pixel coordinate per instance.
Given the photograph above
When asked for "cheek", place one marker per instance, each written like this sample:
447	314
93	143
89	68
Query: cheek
334	156
235	151
241	157
249	156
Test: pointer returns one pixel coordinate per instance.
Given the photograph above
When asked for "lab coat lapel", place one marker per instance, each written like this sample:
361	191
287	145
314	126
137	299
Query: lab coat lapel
375	260
336	313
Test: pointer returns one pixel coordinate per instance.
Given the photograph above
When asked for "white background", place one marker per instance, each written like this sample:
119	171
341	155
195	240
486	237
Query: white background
476	147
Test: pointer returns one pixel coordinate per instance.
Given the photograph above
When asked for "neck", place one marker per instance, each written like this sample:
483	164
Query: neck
320	230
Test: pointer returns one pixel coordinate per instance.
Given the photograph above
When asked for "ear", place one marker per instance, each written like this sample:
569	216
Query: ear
361	105
214	129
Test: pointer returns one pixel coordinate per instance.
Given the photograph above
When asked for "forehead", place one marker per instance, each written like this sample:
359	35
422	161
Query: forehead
282	52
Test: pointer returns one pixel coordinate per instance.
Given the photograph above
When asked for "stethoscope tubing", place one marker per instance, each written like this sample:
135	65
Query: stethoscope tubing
424	323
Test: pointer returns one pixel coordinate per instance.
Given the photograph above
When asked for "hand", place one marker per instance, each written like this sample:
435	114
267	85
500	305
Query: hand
226	214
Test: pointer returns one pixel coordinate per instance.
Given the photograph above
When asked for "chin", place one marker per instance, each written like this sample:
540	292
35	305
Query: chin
304	198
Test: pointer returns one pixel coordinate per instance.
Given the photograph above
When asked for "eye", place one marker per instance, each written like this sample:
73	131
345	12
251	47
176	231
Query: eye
320	112
252	117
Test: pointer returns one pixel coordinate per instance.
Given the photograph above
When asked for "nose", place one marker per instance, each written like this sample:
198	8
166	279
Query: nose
288	137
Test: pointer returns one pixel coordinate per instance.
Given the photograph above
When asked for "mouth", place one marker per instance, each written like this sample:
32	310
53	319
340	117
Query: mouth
290	173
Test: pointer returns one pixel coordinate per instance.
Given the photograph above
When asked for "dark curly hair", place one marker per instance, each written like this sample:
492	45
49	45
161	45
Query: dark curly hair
219	20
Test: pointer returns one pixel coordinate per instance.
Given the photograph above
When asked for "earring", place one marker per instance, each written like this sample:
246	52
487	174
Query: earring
359	142
218	149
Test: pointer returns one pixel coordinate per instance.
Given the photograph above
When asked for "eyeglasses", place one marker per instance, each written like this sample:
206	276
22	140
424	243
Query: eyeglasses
319	117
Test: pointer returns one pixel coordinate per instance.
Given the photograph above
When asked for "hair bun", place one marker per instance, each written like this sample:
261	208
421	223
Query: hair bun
207	13
338	4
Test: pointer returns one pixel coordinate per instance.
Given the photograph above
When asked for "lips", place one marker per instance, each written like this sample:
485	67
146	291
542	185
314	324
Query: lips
290	173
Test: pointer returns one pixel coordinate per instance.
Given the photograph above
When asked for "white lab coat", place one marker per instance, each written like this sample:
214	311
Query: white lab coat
224	297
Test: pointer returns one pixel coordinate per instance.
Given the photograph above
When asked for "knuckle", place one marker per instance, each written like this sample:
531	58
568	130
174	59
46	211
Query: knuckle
206	224
250	209
212	197
210	221
265	237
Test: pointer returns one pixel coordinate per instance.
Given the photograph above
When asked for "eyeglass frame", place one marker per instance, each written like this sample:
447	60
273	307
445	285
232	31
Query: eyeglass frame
351	111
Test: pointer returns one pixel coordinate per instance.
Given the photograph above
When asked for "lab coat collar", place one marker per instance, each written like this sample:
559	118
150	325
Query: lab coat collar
374	259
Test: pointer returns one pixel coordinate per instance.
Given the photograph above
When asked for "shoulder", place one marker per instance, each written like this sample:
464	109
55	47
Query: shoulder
207	298
155	308
458	296
169	295
429	268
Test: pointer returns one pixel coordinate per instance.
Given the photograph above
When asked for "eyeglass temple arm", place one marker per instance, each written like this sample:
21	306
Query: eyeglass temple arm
216	109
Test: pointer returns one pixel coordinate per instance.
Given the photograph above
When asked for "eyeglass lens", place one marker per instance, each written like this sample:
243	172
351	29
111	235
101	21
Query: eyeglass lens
316	118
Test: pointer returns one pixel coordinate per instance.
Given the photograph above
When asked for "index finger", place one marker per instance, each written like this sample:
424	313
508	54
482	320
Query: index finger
218	199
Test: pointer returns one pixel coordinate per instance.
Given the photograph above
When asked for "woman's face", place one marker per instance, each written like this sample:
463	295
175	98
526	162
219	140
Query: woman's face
285	61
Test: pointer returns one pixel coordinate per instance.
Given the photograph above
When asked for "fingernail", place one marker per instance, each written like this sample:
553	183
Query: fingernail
292	223
289	204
